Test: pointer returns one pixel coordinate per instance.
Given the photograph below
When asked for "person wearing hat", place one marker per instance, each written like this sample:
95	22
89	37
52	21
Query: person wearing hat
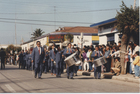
67	52
116	69
38	57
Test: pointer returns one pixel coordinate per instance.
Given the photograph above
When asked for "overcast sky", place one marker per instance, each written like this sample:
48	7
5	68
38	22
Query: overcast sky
51	14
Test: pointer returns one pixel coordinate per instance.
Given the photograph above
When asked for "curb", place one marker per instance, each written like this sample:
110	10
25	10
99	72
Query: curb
126	79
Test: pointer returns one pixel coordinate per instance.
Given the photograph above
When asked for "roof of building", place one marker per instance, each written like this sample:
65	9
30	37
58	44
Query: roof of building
103	22
78	29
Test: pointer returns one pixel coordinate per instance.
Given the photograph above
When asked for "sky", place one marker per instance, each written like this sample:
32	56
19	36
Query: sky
24	16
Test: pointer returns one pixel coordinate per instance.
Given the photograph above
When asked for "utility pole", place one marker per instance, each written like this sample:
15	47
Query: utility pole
134	4
54	17
33	38
15	29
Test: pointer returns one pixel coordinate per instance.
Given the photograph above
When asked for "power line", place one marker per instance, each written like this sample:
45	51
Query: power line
45	21
68	12
34	24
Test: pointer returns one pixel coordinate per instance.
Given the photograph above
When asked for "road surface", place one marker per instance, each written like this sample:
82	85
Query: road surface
14	80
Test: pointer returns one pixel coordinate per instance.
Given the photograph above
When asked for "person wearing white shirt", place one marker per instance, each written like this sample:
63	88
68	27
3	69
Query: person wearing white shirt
88	58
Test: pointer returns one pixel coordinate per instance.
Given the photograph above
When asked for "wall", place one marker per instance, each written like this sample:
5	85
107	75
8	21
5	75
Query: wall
77	41
117	39
28	45
103	40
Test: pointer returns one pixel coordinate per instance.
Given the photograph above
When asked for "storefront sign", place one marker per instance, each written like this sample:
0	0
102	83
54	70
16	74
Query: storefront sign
56	38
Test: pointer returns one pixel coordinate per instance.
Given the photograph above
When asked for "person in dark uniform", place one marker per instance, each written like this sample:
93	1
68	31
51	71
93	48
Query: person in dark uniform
24	59
2	55
49	59
20	58
58	62
53	60
28	62
67	52
62	62
46	60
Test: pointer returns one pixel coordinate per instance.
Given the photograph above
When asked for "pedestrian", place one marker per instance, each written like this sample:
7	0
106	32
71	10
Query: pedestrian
136	63
2	55
38	57
116	69
108	59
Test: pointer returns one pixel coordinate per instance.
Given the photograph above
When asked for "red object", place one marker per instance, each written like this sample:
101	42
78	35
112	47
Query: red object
39	50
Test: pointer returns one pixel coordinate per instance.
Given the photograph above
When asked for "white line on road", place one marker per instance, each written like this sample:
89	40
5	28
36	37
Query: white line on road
10	88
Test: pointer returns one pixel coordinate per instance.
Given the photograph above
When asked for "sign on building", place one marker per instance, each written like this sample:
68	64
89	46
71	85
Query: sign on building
56	38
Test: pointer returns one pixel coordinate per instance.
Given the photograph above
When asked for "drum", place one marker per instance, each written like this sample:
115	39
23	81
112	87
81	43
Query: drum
72	60
78	63
100	61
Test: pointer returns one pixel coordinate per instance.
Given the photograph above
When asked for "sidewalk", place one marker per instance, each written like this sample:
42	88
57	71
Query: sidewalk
126	77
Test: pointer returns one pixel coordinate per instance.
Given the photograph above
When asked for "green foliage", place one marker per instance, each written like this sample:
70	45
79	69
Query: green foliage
9	48
69	37
37	33
13	48
128	20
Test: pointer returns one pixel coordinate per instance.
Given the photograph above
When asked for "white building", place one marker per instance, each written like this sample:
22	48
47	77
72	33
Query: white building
32	43
107	31
89	34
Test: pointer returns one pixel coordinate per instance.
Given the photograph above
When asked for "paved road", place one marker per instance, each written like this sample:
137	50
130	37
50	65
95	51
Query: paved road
14	80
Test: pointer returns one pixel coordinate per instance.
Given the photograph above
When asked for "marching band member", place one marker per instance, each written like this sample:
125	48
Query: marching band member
24	58
58	62
20	58
53	59
38	57
62	62
67	52
29	59
95	55
46	60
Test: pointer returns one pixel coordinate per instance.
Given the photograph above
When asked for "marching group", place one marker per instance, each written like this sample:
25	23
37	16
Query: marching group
42	59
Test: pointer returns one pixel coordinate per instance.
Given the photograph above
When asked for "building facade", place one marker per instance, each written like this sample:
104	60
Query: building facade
90	35
107	31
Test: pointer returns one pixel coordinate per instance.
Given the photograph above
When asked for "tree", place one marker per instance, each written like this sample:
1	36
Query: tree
10	48
37	33
69	37
128	25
